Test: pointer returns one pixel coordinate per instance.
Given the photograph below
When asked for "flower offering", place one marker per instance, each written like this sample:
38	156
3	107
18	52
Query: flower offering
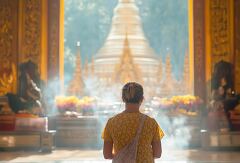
66	103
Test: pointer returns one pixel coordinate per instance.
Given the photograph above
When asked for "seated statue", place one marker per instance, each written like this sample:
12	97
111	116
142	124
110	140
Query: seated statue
222	89
29	95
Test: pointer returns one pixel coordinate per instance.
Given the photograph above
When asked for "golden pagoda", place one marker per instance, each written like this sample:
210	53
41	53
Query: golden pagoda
186	78
126	19
76	85
168	85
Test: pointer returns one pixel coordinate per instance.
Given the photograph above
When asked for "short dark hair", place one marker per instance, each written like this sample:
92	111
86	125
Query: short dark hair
132	92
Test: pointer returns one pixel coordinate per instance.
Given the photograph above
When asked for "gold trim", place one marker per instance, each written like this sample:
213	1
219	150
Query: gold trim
191	43
208	61
61	44
44	39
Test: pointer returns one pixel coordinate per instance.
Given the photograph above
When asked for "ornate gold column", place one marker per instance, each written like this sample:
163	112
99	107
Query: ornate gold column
219	32
8	45
198	39
56	39
30	31
237	44
33	37
53	44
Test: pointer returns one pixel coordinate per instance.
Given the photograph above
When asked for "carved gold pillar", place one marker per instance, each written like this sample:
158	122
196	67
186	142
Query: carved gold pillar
30	33
198	39
33	33
56	39
53	44
219	32
237	44
8	45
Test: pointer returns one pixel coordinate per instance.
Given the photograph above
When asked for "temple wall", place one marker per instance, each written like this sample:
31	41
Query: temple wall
8	45
29	18
219	33
29	30
55	34
237	44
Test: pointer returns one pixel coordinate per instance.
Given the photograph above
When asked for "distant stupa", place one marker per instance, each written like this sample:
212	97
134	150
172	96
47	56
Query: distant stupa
76	85
186	77
126	19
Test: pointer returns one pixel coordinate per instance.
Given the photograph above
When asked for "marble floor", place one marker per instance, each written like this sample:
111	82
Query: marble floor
95	156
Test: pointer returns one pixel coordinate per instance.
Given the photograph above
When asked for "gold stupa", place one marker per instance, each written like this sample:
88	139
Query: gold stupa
126	20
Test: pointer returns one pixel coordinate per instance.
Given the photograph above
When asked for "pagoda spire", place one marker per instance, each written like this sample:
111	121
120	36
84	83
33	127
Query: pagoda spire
76	84
127	70
168	82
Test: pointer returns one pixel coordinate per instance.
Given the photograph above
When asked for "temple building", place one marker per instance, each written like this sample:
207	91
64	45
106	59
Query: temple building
126	20
32	74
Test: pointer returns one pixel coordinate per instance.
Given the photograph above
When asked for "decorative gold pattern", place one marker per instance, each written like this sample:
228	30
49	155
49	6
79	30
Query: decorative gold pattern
6	34
8	39
32	31
53	56
127	70
8	78
220	30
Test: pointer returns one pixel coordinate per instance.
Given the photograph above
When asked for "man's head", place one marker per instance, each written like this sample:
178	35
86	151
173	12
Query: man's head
132	92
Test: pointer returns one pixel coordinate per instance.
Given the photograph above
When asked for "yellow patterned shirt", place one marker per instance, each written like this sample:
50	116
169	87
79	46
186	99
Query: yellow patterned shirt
122	128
